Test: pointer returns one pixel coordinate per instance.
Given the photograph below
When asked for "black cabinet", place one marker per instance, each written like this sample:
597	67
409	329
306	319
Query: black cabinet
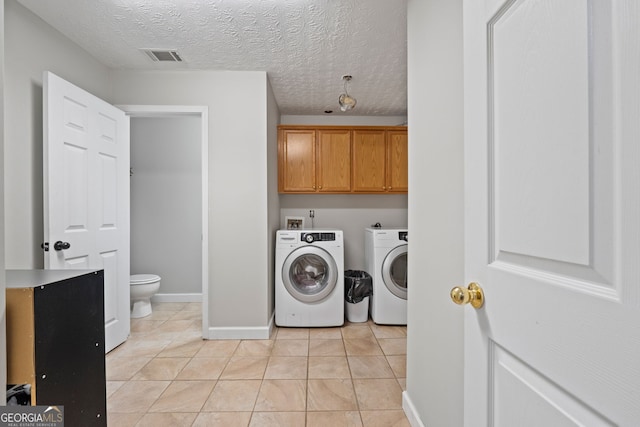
55	340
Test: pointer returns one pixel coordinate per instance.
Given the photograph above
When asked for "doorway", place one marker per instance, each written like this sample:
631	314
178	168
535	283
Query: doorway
169	176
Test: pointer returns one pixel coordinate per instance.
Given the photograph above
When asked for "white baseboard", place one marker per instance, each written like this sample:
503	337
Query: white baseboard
242	332
410	411
177	298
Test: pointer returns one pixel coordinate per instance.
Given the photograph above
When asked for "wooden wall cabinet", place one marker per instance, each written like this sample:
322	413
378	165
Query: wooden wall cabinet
55	340
369	161
342	159
314	161
397	161
297	161
334	166
380	161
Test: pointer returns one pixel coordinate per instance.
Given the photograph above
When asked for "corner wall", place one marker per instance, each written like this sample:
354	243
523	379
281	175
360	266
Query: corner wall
435	345
273	218
238	196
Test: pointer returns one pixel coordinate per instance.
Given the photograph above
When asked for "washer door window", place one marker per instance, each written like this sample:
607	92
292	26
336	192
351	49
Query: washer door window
310	274
394	271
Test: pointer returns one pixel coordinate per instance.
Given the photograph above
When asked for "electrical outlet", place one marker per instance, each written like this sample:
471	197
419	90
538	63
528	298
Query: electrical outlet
312	213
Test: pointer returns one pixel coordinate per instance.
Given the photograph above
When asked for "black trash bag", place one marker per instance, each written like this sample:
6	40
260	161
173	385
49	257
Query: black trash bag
357	285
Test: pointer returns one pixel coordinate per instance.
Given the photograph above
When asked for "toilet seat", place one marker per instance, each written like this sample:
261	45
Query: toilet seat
143	279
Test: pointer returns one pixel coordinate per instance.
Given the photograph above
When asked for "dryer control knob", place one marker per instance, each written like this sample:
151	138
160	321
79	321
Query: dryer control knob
308	238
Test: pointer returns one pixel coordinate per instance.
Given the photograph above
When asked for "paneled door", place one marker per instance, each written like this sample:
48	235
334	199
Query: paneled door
86	193
552	212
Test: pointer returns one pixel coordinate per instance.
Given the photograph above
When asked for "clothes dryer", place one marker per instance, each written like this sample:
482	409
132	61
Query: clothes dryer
386	262
309	278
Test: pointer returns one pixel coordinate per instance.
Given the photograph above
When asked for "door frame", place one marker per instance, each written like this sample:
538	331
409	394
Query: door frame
156	111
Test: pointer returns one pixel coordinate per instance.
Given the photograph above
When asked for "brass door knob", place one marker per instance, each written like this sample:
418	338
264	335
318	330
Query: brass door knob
473	295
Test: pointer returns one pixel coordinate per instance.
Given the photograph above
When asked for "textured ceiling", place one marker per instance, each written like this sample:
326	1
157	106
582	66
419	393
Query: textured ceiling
305	46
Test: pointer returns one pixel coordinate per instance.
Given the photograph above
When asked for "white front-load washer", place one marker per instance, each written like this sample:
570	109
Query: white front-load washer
386	262
309	278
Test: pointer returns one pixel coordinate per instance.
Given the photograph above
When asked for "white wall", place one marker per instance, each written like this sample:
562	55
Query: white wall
3	308
273	219
343	120
239	238
166	201
436	247
351	213
31	47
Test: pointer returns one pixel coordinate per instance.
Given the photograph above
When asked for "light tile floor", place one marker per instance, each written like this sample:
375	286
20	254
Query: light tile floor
165	374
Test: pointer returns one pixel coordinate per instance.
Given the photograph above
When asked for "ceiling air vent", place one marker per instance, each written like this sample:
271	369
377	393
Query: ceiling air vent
163	55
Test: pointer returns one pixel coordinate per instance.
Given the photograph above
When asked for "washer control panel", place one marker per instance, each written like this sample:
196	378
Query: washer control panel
317	237
403	235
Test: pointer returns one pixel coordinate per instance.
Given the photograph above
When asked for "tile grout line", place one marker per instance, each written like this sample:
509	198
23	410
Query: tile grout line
148	332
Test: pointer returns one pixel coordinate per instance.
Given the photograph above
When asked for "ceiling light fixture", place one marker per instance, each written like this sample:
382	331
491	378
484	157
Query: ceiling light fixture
346	101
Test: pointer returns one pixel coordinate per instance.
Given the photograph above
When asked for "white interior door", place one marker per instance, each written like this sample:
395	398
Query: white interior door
552	148
86	193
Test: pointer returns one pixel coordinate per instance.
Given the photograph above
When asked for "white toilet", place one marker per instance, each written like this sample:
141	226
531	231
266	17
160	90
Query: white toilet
143	287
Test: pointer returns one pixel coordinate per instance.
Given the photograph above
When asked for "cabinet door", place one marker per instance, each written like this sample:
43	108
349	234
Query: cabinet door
369	153
334	160
69	348
56	341
297	154
397	161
